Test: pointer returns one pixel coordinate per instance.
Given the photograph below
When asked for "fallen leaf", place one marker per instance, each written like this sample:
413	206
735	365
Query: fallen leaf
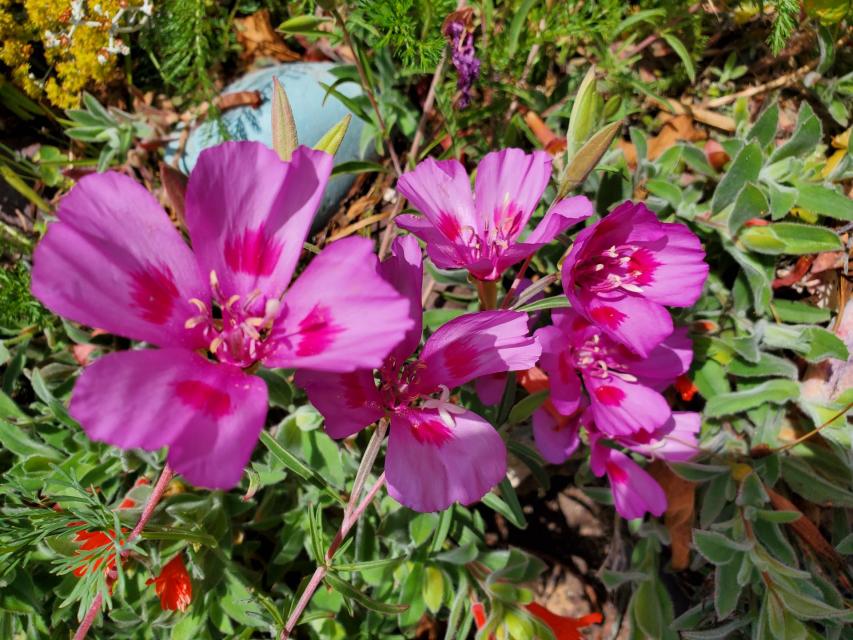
675	129
551	142
806	529
680	500
259	40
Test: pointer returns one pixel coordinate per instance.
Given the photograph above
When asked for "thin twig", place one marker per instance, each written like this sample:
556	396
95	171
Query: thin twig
778	83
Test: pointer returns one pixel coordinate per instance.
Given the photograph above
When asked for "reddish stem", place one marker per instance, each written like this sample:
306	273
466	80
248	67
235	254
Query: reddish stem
145	516
516	283
320	572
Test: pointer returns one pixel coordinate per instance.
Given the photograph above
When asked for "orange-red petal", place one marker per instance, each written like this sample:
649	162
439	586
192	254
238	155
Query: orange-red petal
173	585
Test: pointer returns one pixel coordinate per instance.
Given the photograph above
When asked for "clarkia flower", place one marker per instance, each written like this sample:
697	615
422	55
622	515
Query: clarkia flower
623	389
480	231
114	260
438	452
623	269
173	585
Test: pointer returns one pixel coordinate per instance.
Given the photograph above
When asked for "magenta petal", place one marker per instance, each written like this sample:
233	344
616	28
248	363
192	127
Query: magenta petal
430	465
635	492
566	392
114	261
508	188
490	388
248	213
475	345
634	321
555	441
560	216
444	254
680	442
348	401
404	270
209	414
665	362
679	277
622	408
340	314
441	190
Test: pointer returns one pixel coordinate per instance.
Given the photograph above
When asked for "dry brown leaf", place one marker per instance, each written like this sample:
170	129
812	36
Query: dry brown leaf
806	529
675	129
680	501
259	40
239	99
550	141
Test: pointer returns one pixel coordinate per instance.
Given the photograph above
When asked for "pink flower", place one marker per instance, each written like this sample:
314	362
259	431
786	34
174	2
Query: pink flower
480	231
622	270
438	452
676	441
115	261
623	390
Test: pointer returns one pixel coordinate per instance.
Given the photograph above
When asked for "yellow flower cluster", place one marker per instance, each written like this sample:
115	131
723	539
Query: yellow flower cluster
73	36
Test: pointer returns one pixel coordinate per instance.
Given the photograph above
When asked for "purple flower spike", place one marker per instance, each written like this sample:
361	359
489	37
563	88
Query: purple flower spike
480	231
438	452
623	269
115	261
459	30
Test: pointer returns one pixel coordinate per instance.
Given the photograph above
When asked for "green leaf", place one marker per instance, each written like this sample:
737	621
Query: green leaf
331	140
16	440
18	184
773	391
782	199
665	189
695	472
764	129
8	408
494	502
759	274
351	593
717	548
284	138
800	312
511	499
813	486
554	302
726	589
744	168
357	166
525	407
679	48
279	389
515	27
647	610
827	202
807	133
807	608
433	589
175	534
532	460
846	545
421	527
790	238
304	24
584	114
767	366
750	203
298	467
369	565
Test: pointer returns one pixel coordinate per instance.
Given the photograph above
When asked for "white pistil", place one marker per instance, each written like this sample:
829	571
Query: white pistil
445	408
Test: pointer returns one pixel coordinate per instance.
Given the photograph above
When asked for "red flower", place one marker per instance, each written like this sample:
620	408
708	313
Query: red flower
564	628
93	540
173	585
686	388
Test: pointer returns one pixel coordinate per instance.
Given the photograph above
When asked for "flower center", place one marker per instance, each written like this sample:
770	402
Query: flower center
500	231
397	382
235	326
597	359
627	267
